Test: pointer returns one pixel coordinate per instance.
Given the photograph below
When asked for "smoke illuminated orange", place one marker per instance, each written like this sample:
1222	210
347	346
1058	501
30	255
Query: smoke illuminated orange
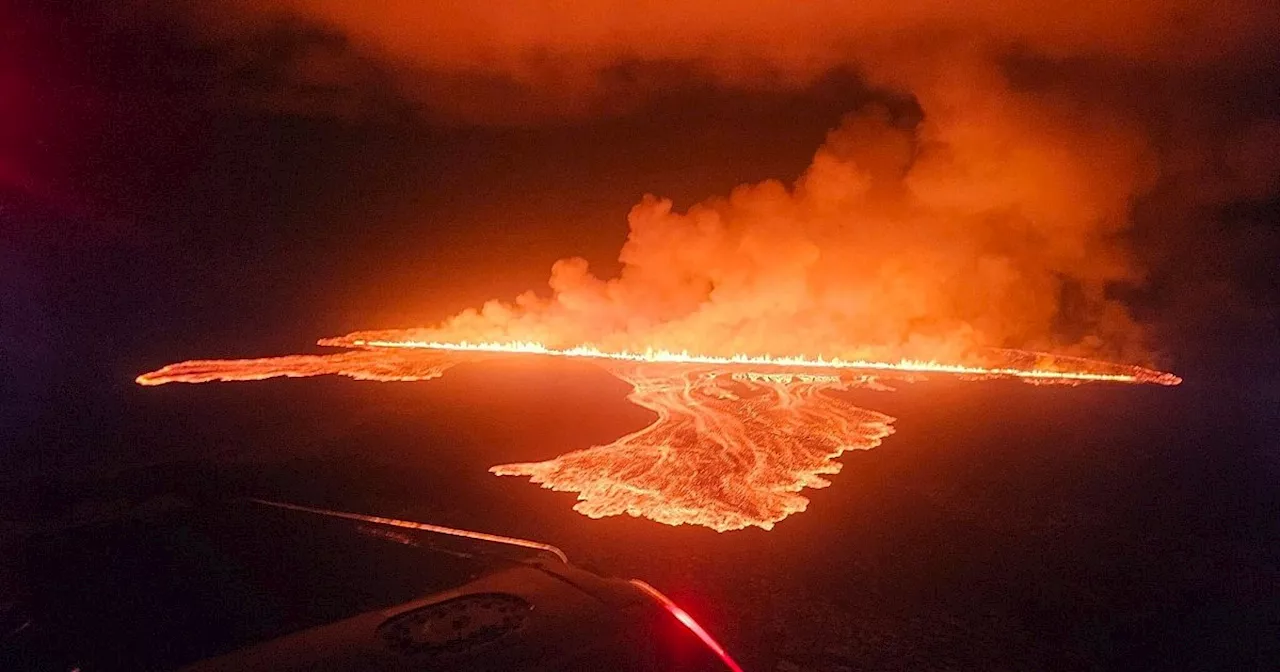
735	441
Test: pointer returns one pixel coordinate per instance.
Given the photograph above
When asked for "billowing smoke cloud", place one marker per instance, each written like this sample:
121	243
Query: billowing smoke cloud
996	217
924	238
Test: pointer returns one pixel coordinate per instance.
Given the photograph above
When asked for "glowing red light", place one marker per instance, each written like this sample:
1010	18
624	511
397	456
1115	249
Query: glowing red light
684	617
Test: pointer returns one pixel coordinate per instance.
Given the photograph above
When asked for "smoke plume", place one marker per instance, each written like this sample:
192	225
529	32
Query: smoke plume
996	214
929	236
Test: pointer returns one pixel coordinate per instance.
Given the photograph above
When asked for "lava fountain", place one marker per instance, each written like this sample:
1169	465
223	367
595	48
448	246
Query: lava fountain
736	438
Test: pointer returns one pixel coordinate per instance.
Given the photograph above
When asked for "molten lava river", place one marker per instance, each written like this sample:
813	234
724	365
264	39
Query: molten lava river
736	439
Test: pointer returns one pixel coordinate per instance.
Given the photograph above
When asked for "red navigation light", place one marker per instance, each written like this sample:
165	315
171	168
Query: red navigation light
688	622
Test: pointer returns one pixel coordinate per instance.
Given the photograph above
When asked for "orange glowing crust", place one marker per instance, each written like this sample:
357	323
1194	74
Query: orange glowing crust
725	452
1125	374
359	364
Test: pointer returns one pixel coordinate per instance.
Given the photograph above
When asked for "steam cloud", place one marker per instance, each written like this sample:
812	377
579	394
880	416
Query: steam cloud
997	217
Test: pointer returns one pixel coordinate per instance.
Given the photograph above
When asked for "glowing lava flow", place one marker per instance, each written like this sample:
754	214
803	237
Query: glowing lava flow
725	452
359	364
735	441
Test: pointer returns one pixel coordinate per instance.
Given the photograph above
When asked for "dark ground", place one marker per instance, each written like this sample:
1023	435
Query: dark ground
1003	526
